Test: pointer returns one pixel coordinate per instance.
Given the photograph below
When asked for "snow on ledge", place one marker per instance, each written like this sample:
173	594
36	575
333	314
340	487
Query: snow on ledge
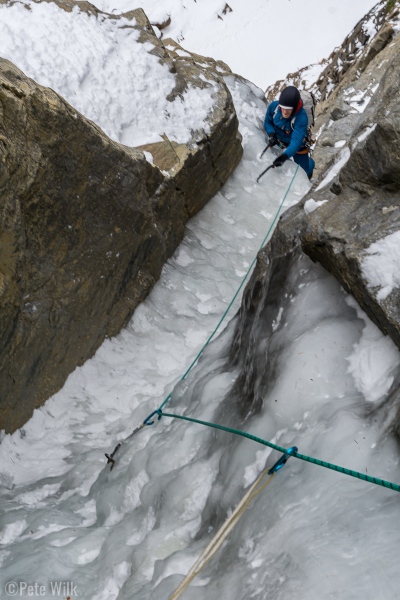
366	133
374	359
381	268
312	205
343	158
98	65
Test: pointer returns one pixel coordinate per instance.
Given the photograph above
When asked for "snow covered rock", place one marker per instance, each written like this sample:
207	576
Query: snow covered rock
371	34
199	168
354	235
86	227
87	222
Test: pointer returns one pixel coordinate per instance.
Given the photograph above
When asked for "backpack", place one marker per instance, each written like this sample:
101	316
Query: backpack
309	104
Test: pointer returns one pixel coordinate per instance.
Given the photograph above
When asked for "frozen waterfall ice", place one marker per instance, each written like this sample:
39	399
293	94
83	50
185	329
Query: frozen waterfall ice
134	532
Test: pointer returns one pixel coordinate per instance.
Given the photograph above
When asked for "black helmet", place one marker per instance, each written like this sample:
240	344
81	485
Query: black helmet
289	98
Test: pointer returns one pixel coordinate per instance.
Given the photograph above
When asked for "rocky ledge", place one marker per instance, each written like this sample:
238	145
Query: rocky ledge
357	194
87	223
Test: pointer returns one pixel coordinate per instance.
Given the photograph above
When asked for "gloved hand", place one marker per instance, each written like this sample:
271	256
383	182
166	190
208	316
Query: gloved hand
272	140
278	162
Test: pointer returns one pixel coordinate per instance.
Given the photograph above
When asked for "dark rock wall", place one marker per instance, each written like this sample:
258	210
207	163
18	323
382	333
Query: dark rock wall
86	224
364	199
81	239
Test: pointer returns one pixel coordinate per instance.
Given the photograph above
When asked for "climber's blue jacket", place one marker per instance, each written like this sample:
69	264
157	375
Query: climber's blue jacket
293	138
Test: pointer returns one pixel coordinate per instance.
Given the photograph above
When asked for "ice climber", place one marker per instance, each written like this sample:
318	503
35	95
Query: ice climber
286	123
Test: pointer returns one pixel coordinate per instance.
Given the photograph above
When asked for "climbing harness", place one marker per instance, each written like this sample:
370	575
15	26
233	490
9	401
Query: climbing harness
110	457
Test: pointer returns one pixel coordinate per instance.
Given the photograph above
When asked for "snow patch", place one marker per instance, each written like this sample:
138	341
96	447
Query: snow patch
381	268
312	205
343	158
366	133
12	531
373	361
203	28
98	65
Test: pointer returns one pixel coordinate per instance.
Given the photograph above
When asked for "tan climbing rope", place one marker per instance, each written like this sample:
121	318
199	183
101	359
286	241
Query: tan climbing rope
222	533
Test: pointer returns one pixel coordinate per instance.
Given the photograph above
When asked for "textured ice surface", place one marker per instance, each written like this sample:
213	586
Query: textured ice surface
134	532
64	515
375	360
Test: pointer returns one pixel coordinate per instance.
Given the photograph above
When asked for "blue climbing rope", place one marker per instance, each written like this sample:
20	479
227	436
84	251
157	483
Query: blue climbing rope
110	457
192	364
286	452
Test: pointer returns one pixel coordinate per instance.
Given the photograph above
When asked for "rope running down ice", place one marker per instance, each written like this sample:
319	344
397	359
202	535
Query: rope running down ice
110	457
259	484
239	288
223	533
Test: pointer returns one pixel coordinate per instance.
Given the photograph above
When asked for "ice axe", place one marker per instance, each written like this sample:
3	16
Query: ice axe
263	173
265	149
262	154
110	457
